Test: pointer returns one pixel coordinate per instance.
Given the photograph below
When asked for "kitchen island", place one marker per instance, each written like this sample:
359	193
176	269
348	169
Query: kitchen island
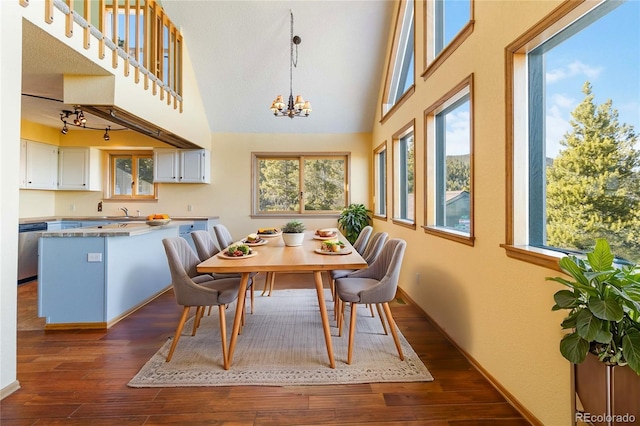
93	277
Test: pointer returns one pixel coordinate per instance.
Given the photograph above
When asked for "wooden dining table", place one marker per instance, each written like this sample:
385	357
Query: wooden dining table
276	257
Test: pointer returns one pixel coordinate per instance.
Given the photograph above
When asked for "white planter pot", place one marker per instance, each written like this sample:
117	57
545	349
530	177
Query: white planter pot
292	240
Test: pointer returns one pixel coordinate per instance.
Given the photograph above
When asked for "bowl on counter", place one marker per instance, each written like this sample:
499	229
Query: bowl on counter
157	222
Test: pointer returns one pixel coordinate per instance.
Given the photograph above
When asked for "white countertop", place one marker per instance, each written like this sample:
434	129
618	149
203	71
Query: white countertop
113	230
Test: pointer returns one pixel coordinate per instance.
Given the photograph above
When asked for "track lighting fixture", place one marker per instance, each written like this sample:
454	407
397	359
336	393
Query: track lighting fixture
77	118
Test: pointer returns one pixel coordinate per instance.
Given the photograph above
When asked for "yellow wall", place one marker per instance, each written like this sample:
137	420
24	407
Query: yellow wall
229	194
497	309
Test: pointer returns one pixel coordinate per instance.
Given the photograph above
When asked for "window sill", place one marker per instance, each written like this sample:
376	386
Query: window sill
404	222
541	257
294	215
449	234
464	33
410	91
380	217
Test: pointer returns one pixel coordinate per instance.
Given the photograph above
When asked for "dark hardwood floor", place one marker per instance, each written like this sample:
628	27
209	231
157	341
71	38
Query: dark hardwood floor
80	378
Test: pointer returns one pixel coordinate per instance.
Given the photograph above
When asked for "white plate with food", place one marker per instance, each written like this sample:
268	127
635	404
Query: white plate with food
331	237
225	255
253	243
342	251
270	234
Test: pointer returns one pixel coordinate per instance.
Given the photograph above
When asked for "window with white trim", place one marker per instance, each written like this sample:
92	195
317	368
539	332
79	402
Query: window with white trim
404	176
401	70
577	157
449	205
380	181
447	24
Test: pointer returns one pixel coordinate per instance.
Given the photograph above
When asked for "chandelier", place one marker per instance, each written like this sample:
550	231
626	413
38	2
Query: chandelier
76	118
299	108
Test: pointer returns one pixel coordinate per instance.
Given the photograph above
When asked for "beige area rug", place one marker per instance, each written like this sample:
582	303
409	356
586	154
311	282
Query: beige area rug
281	344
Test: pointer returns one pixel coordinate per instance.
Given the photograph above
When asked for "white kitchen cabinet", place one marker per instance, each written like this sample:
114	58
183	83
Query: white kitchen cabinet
181	166
23	164
40	165
79	168
165	165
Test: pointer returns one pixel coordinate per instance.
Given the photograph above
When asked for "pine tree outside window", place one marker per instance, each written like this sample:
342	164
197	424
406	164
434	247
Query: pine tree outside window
582	164
293	184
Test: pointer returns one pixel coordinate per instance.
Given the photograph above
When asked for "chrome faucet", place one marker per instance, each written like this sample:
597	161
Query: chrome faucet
125	210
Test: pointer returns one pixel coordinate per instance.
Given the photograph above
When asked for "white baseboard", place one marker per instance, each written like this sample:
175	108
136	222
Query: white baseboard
9	389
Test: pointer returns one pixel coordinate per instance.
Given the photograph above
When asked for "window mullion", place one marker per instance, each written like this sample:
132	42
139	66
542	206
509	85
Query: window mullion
301	185
537	216
440	165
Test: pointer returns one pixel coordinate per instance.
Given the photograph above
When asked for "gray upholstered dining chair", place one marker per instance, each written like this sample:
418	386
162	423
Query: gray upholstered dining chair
206	248
360	244
376	284
223	236
374	246
188	293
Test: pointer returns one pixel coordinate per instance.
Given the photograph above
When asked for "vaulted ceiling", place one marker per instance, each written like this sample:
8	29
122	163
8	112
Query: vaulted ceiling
240	54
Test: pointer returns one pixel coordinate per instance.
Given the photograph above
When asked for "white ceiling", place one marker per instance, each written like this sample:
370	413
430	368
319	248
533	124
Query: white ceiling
240	54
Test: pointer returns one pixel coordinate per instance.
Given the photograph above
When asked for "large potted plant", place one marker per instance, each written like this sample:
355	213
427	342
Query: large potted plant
603	301
293	233
352	219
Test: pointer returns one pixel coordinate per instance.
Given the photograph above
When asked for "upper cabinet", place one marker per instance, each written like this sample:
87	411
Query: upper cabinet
181	166
79	169
44	166
39	165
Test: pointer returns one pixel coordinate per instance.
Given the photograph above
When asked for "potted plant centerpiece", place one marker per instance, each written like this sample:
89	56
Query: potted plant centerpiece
293	233
603	301
352	219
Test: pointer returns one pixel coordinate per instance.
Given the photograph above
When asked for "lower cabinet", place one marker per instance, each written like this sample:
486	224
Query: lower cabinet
93	282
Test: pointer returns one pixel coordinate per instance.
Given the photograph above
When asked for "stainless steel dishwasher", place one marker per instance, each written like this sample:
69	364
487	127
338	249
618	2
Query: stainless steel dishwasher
28	235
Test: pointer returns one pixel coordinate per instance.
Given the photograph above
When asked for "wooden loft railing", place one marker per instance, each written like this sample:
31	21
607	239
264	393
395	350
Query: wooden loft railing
138	32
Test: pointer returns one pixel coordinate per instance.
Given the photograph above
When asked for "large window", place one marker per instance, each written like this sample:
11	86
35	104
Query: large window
300	184
577	157
400	72
380	181
449	203
451	17
131	175
404	212
447	24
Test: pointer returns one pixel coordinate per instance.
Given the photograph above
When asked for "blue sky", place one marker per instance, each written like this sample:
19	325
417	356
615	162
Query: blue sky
607	54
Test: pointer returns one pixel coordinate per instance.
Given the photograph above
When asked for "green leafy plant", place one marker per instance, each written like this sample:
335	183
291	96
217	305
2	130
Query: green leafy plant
352	219
604	308
293	227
